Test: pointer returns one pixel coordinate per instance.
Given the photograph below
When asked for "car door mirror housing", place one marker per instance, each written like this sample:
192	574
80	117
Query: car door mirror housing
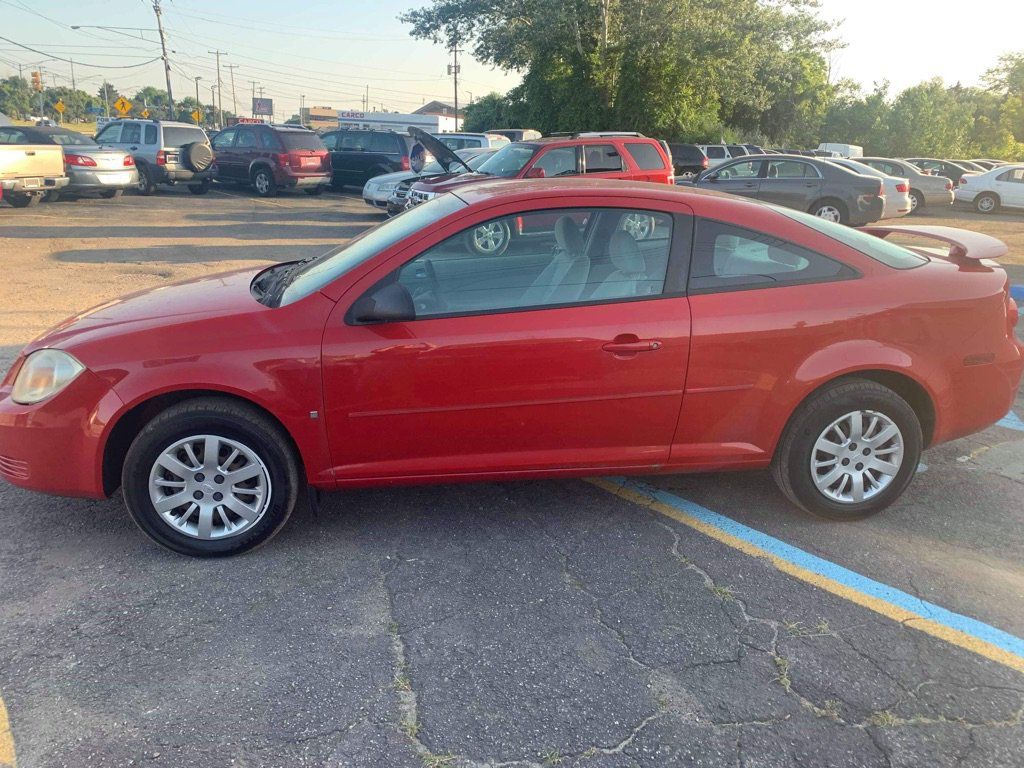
535	173
386	304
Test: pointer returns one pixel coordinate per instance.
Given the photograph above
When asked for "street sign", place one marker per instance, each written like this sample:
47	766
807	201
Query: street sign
145	114
122	105
95	110
197	115
59	106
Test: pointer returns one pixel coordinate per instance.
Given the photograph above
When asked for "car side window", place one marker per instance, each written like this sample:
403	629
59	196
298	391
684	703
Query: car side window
151	134
13	136
792	169
602	158
646	156
131	133
268	140
559	257
383	143
726	258
1015	175
715	153
224	139
559	161
750	169
110	134
330	140
355	141
246	139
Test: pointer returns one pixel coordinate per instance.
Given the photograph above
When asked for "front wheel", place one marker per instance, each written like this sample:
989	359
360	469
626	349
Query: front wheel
146	185
210	477
986	203
916	201
849	452
491	239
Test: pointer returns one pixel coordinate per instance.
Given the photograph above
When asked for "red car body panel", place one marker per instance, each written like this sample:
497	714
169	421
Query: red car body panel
528	393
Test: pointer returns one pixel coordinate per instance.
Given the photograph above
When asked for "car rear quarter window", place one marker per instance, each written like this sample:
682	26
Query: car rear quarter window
180	135
602	158
729	258
268	140
385	143
716	153
792	169
876	248
301	140
151	134
646	156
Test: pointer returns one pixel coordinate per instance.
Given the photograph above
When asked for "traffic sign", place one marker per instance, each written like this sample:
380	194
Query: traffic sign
59	106
197	115
145	113
122	105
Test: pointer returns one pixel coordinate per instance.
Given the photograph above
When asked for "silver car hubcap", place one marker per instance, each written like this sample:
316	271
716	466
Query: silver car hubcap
262	183
985	204
489	238
639	225
209	487
829	213
857	457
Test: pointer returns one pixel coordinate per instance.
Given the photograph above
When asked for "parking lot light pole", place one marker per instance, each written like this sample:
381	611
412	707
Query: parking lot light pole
199	103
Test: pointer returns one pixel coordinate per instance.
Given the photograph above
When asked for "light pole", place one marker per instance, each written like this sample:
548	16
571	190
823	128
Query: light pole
302	106
199	104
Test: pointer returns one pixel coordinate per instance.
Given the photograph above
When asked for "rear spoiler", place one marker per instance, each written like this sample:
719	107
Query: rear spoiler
963	244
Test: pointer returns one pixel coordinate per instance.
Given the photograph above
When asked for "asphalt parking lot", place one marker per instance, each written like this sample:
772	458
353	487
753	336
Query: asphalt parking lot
692	620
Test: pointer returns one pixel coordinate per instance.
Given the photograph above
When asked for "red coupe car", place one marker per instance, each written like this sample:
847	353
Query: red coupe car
721	334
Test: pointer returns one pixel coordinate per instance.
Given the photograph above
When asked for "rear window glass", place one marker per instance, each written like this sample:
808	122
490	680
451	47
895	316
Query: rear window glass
71	139
180	135
647	156
301	140
887	253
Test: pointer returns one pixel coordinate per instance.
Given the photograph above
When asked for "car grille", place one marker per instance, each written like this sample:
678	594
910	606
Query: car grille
13	468
416	197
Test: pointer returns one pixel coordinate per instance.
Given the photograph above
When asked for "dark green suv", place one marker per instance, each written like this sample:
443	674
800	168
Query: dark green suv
358	155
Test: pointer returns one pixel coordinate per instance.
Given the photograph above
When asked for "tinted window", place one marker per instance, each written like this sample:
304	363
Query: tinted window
385	143
726	257
110	133
268	140
354	140
300	140
646	156
736	150
330	140
890	254
12	136
151	134
687	153
560	161
246	139
602	158
791	169
749	169
715	152
571	256
180	135
224	139
71	139
131	133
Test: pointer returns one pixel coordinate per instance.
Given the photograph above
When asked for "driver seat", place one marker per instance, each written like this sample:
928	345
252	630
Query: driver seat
562	281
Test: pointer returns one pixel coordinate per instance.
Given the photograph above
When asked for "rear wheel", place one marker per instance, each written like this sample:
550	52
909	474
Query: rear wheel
201	188
314	191
263	183
831	210
111	194
23	199
986	203
491	239
849	452
916	201
210	477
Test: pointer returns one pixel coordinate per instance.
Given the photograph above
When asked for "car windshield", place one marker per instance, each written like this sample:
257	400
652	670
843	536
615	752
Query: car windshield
301	140
474	161
890	254
180	135
509	160
71	139
315	274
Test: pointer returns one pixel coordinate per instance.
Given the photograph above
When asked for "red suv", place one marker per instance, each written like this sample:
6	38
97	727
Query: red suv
271	158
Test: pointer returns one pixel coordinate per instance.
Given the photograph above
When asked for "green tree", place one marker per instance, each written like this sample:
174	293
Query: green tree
15	97
108	94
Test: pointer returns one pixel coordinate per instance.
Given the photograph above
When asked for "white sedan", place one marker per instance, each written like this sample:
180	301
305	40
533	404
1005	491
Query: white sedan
1002	187
377	190
897	190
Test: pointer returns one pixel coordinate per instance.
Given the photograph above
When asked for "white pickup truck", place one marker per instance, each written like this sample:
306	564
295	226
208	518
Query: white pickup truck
29	171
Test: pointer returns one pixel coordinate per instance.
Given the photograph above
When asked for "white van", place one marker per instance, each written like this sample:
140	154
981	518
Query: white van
844	150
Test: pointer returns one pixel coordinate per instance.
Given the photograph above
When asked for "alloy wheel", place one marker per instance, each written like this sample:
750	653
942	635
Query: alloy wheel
857	457
986	204
829	213
209	487
262	183
640	226
489	238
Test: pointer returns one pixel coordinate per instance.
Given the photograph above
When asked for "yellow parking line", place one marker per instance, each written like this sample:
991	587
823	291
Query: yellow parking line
7	758
975	636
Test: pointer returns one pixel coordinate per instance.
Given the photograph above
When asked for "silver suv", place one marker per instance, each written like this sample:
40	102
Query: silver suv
165	152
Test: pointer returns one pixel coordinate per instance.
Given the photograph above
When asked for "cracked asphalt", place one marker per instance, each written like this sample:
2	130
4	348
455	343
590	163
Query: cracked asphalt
503	624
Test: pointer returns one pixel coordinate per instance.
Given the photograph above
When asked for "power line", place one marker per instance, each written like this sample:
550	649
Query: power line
80	63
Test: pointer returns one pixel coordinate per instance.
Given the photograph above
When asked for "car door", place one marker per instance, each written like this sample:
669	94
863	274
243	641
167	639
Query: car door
109	135
792	183
224	155
737	178
351	155
566	351
1009	185
244	151
131	136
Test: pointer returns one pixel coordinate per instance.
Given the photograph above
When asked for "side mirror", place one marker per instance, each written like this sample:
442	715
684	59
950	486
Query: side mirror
388	304
535	173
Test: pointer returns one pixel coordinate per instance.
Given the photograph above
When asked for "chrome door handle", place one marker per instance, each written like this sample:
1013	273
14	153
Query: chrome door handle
632	347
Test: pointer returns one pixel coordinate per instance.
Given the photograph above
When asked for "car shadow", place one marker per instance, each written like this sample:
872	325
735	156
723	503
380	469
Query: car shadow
190	254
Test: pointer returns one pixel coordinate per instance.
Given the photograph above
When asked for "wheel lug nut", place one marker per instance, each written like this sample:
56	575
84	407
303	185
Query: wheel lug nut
845	462
853	446
197	495
200	477
859	467
218	496
219	479
867	451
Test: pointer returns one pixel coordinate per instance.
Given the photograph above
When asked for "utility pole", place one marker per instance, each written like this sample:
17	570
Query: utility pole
167	63
73	88
366	99
253	97
220	91
199	104
453	69
234	100
302	106
213	101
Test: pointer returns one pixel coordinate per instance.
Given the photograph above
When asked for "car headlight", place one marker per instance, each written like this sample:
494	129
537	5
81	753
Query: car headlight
44	373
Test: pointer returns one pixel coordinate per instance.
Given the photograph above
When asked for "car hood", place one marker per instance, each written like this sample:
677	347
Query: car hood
441	153
211	296
450	181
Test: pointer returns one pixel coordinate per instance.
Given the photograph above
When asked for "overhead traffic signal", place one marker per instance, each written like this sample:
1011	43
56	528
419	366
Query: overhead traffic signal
37	81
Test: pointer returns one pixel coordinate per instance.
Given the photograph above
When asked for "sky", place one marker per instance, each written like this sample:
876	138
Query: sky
331	50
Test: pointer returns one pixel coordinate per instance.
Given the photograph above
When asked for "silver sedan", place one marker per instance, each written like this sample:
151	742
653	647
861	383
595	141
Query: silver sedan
90	167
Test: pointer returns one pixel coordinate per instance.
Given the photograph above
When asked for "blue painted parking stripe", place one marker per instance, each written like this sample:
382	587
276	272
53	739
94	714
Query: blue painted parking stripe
848	579
1011	421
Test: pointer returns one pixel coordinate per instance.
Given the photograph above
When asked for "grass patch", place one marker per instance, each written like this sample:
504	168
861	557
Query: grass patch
783	665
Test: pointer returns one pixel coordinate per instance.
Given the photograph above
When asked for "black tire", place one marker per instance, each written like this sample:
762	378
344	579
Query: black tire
831	202
314	191
489	239
916	201
146	185
986	202
23	199
52	196
227	419
263	182
198	156
791	465
111	194
201	188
